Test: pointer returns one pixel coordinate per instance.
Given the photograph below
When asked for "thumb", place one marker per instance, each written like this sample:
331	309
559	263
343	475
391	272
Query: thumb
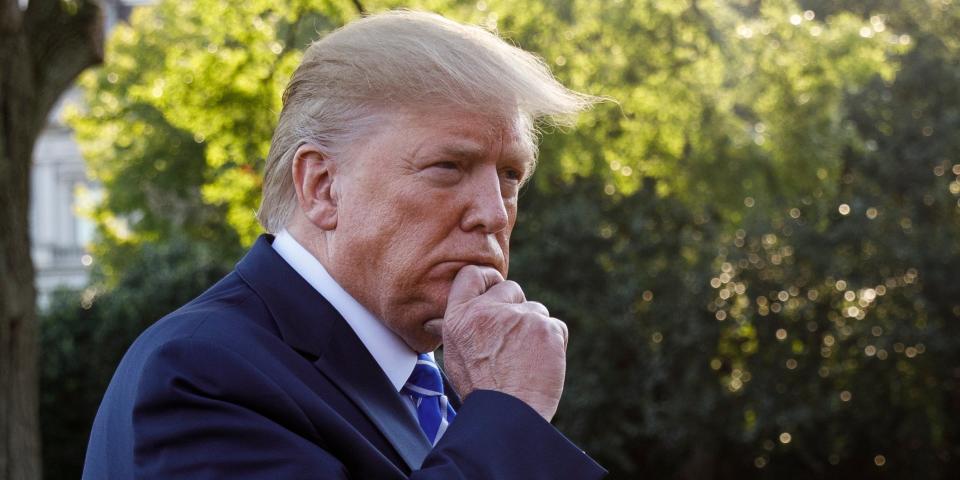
471	282
434	326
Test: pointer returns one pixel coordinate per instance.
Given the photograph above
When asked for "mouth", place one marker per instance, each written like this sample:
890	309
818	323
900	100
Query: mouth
439	279
457	265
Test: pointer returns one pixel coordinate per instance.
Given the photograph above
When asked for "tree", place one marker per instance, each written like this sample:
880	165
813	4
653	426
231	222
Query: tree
755	247
98	326
42	49
177	125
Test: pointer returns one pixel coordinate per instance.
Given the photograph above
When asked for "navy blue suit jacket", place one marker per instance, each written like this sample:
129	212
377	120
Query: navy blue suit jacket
260	377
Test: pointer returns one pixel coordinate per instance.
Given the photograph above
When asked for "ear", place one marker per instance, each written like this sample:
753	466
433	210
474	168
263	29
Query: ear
313	178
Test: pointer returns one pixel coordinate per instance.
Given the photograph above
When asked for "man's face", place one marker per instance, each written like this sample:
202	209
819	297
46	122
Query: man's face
424	196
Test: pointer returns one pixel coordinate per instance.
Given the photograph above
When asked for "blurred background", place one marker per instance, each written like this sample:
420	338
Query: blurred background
756	242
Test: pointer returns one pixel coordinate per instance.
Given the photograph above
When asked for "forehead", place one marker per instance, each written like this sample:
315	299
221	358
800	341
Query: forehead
466	135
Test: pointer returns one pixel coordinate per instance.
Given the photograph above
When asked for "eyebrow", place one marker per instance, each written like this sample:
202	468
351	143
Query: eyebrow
470	152
462	151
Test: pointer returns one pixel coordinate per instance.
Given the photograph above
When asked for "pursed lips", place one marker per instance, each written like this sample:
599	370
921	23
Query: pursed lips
458	264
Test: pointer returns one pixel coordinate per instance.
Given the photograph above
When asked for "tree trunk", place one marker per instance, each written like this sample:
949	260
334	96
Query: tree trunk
42	50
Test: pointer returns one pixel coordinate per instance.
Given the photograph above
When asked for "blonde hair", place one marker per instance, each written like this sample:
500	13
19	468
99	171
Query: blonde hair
402	59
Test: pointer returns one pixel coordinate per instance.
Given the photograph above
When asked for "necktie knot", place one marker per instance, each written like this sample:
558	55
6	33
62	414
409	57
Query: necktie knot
425	381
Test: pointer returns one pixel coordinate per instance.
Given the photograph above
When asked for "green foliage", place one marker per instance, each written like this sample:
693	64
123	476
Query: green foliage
177	124
624	272
84	335
754	245
711	102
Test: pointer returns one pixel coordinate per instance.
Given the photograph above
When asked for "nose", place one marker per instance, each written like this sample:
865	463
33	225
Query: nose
486	210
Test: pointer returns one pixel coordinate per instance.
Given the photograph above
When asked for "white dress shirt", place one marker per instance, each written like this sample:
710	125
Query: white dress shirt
395	358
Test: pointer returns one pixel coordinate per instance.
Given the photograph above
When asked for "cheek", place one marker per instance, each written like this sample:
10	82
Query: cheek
401	243
504	240
504	237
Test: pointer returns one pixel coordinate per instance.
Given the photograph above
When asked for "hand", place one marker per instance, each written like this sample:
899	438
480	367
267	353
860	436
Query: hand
494	339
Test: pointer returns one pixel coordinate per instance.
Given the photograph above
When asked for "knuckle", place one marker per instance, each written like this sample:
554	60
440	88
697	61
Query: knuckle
543	323
513	286
559	328
538	307
517	310
529	315
472	271
559	323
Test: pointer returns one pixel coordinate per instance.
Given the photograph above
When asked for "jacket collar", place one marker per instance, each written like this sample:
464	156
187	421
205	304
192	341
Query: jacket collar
308	323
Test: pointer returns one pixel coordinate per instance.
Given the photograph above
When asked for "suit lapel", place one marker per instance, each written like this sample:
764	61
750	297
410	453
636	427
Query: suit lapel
347	363
309	324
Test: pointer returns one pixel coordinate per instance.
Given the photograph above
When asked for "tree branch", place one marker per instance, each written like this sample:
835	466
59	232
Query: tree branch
360	9
10	17
64	38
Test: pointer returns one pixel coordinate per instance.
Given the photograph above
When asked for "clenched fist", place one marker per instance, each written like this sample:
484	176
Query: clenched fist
494	339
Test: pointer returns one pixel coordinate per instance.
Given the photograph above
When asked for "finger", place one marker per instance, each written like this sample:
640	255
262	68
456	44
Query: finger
564	331
434	326
507	291
537	307
471	282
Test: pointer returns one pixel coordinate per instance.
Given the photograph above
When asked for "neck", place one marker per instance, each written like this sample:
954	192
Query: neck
317	242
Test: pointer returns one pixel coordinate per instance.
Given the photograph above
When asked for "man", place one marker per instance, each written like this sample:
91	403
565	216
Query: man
391	187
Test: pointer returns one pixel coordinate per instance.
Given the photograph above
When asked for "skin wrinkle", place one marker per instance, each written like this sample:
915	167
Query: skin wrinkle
495	339
417	230
484	359
412	223
501	351
489	359
486	316
407	189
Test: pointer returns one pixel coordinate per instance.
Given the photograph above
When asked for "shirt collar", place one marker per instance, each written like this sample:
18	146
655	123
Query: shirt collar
395	358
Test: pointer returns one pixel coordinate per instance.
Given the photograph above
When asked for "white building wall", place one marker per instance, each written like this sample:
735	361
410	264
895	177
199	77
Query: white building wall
60	236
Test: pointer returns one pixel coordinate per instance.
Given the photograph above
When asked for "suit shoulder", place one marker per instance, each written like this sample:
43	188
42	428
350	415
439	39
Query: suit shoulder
228	315
228	307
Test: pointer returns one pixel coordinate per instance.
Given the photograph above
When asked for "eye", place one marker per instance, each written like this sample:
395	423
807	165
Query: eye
445	165
512	174
443	172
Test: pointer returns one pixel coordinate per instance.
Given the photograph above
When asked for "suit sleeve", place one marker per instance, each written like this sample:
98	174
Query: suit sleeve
496	435
203	411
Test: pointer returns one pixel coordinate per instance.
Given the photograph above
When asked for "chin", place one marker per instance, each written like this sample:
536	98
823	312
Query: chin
409	318
424	342
413	334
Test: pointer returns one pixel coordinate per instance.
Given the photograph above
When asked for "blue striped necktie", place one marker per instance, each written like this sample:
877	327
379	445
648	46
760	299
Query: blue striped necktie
425	387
